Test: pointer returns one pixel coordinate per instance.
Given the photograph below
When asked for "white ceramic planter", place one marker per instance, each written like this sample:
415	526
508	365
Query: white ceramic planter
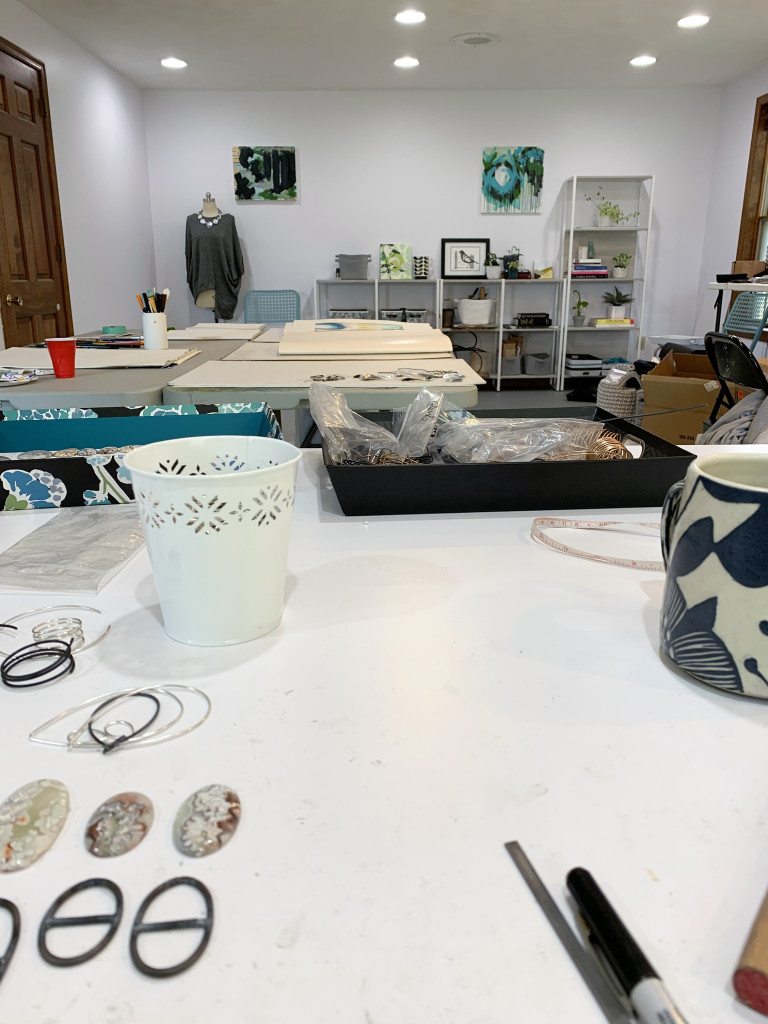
619	271
617	312
492	273
216	513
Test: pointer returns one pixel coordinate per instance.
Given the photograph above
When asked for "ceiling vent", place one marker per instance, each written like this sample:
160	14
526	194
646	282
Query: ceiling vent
476	38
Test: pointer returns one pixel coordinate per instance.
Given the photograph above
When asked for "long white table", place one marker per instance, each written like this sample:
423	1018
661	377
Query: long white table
439	685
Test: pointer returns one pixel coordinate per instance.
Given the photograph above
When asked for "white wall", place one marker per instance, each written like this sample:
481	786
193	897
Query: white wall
378	166
729	173
101	164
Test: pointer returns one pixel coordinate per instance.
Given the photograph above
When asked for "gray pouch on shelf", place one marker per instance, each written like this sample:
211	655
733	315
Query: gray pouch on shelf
79	551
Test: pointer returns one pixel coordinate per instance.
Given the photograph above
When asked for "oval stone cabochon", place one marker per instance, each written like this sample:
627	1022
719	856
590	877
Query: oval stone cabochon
119	824
206	821
30	820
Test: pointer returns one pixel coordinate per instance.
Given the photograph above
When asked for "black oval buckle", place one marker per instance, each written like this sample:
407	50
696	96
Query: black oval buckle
139	926
10	949
51	921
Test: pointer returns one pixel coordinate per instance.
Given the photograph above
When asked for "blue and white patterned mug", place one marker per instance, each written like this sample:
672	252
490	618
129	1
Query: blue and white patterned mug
714	538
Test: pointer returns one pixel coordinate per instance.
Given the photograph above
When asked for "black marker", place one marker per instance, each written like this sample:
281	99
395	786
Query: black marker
650	999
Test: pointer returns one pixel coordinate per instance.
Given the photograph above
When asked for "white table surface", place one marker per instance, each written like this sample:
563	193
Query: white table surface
439	685
739	286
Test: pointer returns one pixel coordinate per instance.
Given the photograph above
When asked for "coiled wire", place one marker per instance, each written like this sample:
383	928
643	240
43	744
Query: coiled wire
70	630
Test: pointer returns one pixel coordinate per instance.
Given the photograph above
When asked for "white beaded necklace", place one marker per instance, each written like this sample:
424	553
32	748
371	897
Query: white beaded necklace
209	222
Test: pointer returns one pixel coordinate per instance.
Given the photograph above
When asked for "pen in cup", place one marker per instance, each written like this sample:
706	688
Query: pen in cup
638	979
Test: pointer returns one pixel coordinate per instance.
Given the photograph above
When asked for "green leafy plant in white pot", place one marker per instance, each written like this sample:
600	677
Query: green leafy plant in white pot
609	214
617	303
620	264
578	306
492	266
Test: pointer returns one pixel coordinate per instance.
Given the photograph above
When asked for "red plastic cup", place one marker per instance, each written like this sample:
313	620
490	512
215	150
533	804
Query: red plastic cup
62	353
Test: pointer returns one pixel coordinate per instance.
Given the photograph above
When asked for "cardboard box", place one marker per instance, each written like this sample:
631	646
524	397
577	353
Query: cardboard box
48	480
680	380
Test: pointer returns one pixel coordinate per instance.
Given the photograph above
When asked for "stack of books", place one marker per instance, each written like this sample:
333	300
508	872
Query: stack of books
596	321
589	268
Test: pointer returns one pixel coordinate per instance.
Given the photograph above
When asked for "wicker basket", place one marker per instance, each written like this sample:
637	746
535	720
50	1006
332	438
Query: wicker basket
617	398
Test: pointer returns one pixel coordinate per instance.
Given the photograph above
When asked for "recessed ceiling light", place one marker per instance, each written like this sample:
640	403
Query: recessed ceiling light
410	17
643	62
173	62
406	62
693	21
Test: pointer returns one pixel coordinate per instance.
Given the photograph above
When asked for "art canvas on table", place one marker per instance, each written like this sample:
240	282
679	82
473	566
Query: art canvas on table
396	261
265	173
512	179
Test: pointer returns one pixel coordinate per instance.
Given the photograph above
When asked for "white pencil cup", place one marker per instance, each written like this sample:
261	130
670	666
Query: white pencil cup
154	327
216	513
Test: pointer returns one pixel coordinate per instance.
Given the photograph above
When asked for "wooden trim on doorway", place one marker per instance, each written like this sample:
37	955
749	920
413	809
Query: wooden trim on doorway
21	55
756	170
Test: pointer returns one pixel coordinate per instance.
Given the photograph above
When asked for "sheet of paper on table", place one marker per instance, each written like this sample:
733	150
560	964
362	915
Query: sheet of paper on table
98	359
218	332
301	338
290	373
261	350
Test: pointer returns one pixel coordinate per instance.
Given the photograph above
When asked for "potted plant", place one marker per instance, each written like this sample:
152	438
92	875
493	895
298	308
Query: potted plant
620	264
492	266
609	214
617	303
578	316
511	261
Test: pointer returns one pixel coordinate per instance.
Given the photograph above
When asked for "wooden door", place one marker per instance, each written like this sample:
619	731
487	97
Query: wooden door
34	294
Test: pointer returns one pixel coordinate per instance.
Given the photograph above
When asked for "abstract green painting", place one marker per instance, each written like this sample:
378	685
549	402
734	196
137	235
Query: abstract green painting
265	172
396	261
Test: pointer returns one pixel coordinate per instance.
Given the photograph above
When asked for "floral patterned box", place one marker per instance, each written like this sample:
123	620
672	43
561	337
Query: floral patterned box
73	457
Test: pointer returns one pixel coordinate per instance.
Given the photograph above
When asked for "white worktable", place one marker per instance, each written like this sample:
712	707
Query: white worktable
439	685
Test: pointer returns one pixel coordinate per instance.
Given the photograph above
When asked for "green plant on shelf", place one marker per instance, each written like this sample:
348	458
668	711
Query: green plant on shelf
580	303
608	209
491	260
616	297
622	260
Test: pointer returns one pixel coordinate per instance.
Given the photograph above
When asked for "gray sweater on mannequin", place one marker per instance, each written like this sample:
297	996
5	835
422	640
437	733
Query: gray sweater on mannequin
214	260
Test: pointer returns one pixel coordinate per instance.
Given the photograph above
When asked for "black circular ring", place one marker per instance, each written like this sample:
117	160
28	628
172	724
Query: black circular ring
51	921
10	949
61	650
206	923
108	747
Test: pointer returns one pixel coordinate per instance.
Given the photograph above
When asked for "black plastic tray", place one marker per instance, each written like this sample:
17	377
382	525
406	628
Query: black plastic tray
543	486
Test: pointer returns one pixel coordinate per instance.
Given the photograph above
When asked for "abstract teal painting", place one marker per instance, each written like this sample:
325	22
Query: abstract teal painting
396	261
512	179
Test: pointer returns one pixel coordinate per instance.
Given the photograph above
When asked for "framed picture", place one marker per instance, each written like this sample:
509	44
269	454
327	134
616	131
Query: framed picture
464	257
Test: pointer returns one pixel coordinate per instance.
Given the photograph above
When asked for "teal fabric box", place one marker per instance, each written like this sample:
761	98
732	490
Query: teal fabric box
92	471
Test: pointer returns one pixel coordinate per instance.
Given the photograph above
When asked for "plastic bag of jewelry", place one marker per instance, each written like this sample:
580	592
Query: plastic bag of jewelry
478	441
348	436
78	551
418	424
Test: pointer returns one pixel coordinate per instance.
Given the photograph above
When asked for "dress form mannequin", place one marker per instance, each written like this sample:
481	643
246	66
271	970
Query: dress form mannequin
214	259
207	299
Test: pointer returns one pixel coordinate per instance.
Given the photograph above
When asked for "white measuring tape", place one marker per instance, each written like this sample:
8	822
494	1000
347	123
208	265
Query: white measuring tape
540	525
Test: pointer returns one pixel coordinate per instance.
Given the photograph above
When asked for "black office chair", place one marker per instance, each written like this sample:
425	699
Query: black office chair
733	363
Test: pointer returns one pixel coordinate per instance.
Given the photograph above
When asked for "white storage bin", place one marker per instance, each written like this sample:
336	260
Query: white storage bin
475	312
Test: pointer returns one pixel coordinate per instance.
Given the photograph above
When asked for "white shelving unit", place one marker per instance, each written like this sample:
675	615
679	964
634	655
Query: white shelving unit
512	297
375	294
580	227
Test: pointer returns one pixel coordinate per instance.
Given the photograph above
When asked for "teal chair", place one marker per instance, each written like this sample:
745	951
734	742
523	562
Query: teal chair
747	315
272	306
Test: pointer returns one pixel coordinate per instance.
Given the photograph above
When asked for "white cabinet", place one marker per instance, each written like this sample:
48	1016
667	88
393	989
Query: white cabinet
588	237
